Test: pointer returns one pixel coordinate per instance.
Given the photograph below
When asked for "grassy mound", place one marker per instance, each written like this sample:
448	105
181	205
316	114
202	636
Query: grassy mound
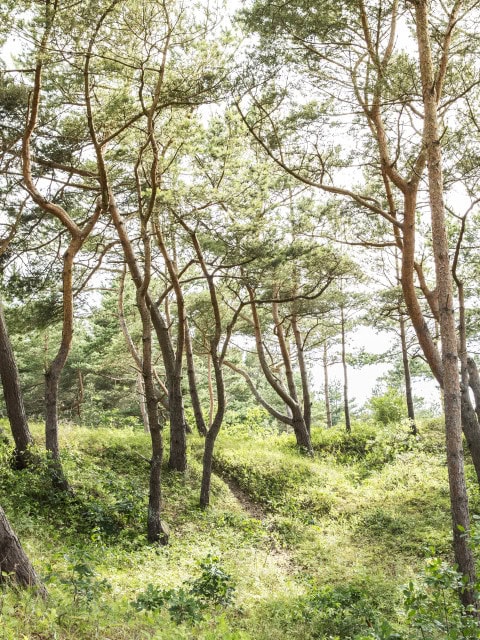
324	555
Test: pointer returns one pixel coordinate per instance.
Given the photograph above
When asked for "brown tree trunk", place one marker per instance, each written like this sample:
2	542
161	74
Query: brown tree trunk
326	391
346	408
134	353
54	371
13	559
211	399
451	383
212	433
474	382
156	529
407	376
192	384
142	401
173	360
307	402
12	394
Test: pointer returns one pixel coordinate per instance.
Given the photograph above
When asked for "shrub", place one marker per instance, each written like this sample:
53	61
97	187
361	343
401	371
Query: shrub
188	602
389	407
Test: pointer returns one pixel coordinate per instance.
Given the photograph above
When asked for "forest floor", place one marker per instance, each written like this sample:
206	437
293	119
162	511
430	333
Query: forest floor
291	548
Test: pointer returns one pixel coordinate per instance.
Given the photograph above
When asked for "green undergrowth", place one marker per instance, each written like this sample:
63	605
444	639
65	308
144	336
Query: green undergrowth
340	536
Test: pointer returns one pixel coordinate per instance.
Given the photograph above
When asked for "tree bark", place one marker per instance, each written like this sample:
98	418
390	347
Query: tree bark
192	384
307	402
12	393
407	376
13	559
474	382
301	433
346	408
326	391
451	382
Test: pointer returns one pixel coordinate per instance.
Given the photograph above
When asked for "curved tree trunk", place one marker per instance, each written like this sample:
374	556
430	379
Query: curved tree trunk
212	433
301	432
13	559
192	384
12	393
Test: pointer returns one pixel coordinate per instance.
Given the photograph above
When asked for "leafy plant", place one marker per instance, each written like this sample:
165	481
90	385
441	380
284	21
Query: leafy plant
81	579
188	602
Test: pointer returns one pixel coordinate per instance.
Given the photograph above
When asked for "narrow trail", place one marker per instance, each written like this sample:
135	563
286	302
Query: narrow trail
254	509
279	554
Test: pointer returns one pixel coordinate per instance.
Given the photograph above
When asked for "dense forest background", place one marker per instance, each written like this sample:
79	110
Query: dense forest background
201	204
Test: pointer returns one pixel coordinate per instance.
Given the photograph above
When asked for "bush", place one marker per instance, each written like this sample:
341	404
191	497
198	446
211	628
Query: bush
389	407
188	602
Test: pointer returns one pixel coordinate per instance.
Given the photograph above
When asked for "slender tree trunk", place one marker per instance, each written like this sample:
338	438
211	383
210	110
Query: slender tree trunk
346	408
178	436
81	394
212	434
451	382
156	529
13	559
474	382
307	402
326	391
407	376
211	399
133	352
173	361
12	393
470	424
142	401
55	369
192	384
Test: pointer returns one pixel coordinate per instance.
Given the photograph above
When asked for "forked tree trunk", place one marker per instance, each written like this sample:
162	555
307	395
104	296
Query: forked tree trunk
302	365
12	393
156	529
212	433
451	383
14	561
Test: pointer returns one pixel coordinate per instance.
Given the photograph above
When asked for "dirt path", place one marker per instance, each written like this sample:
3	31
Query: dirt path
278	553
253	509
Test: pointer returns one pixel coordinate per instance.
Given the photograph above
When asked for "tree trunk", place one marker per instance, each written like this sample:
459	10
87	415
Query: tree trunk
13	559
178	437
192	384
214	429
451	383
211	399
407	376
307	402
346	408
142	402
207	463
12	393
302	435
474	382
328	409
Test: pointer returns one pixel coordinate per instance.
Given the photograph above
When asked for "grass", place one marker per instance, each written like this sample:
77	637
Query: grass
339	535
